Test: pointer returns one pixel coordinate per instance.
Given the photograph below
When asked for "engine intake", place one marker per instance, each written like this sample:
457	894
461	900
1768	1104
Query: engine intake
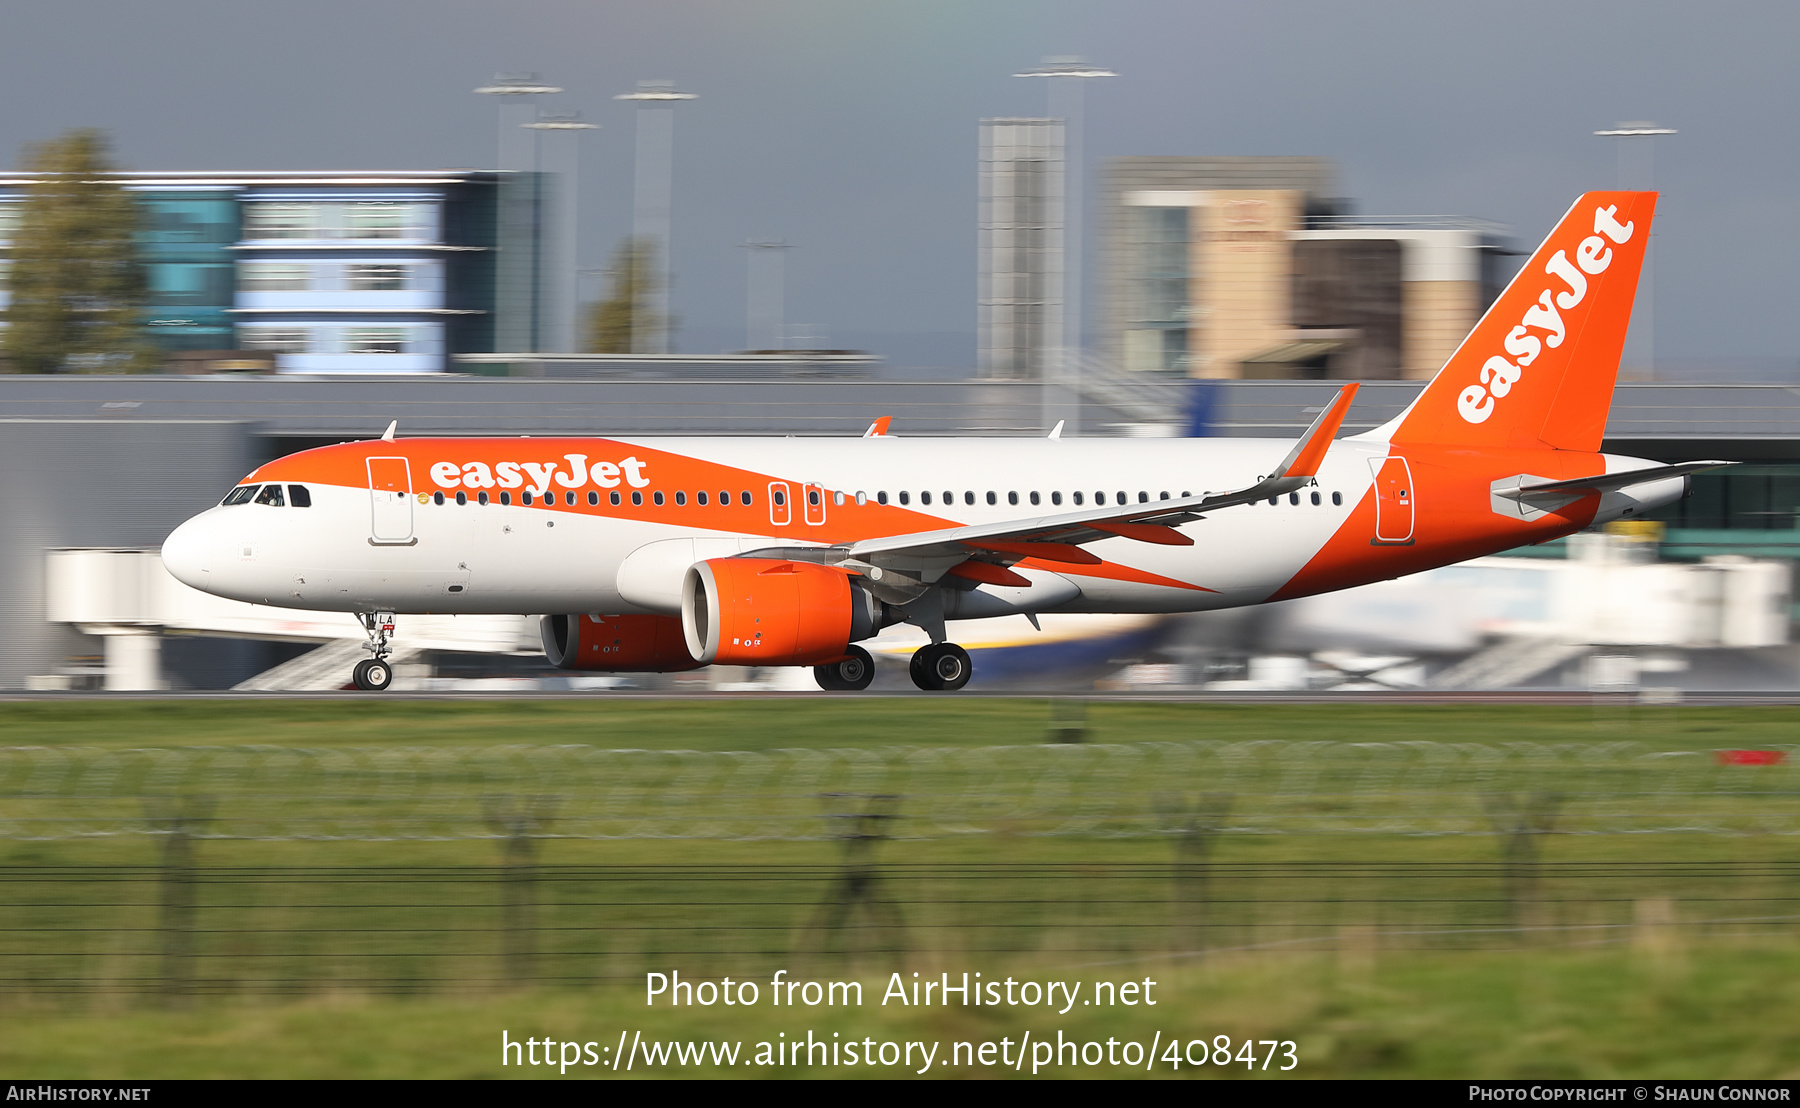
772	612
617	644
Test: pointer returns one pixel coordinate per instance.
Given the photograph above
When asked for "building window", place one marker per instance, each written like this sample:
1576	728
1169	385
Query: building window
374	340
270	220
377	219
1157	335
377	277
275	340
274	277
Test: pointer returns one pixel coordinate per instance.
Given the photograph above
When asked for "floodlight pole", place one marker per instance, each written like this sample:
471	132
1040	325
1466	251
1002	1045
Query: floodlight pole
652	199
562	243
1643	321
765	306
521	90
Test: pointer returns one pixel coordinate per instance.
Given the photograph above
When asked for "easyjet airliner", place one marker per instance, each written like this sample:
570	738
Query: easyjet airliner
669	554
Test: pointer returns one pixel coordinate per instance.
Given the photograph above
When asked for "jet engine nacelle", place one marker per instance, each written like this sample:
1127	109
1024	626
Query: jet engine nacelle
772	612
617	644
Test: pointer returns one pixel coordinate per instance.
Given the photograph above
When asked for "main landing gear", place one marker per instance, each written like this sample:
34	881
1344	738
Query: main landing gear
375	674
853	674
940	667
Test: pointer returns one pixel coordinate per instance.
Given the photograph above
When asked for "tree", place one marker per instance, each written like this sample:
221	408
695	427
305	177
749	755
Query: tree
622	322
77	287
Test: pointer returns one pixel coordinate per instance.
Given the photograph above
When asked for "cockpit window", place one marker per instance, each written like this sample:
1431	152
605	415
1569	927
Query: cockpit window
300	496
239	495
270	495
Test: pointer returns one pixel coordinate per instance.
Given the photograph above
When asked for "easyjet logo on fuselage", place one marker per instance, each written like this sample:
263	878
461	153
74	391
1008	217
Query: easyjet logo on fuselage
571	473
1498	375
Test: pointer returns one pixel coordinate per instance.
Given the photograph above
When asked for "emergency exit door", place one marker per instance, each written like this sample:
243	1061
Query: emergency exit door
1395	499
390	501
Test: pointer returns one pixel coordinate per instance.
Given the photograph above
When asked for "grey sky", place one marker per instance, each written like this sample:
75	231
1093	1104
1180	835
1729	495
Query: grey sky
849	128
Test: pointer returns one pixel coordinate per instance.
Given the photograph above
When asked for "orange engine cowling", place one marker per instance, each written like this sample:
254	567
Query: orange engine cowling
640	644
773	612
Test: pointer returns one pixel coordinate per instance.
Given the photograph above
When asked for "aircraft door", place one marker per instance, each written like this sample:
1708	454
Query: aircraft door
1394	499
815	505
390	501
781	503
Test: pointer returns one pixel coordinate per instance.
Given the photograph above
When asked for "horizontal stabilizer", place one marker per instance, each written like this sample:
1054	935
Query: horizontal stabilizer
1606	482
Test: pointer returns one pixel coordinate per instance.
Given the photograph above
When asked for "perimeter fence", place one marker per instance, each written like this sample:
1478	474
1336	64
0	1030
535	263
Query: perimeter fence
250	872
1132	789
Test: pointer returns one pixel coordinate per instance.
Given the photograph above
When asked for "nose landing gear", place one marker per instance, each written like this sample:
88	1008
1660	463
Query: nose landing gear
940	667
375	674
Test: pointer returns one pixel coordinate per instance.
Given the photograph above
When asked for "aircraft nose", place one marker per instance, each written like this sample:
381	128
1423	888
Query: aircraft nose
190	550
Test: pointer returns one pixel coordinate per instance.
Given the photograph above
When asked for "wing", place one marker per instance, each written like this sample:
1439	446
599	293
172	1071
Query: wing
1058	538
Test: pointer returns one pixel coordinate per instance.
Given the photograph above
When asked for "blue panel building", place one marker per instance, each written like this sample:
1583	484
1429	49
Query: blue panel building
332	272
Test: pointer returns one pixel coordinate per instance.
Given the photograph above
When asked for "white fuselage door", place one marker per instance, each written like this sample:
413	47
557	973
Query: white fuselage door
390	501
815	505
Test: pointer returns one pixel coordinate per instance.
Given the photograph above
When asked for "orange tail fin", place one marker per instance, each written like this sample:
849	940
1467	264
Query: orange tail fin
1538	370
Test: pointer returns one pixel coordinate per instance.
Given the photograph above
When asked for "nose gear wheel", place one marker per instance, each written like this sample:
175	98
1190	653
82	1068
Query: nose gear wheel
374	674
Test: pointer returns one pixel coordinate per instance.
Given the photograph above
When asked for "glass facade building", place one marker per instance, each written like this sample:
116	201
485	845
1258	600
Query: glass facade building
330	273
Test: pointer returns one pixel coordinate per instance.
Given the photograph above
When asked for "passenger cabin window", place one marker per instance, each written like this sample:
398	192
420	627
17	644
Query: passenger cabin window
613	499
1337	498
271	495
506	498
881	497
924	498
239	495
300	496
1056	498
905	497
1077	499
700	499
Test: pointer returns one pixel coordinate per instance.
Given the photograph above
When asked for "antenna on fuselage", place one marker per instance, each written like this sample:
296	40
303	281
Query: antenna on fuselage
1056	431
388	435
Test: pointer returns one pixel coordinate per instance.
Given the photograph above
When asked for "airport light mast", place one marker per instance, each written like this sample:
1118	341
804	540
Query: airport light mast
1640	174
652	199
